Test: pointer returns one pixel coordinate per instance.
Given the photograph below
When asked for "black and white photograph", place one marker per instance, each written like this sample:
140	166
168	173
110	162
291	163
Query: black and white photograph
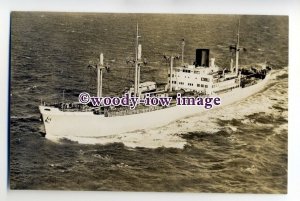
148	102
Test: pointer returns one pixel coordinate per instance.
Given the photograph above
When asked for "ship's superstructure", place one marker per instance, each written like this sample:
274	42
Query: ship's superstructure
203	78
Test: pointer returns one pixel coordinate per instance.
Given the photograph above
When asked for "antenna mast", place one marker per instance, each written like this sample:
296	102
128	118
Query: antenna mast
182	51
237	50
138	54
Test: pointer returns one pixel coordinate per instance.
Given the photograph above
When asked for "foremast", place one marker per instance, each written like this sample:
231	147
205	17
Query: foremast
138	56
99	69
237	49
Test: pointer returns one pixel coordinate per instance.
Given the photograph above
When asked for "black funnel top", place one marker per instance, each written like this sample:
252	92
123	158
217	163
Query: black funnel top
202	57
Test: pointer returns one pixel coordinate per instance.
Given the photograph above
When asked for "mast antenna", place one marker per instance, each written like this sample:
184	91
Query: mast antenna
137	62
237	49
182	51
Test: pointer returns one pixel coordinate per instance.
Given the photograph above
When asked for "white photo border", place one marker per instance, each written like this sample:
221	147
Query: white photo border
251	7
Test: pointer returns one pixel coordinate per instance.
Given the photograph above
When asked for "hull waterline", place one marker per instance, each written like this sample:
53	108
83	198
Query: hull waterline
86	124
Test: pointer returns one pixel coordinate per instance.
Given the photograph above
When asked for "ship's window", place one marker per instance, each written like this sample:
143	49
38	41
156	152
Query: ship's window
172	75
168	75
198	85
204	79
206	86
47	109
202	85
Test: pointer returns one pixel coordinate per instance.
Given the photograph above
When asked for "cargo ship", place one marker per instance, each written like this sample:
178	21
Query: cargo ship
203	78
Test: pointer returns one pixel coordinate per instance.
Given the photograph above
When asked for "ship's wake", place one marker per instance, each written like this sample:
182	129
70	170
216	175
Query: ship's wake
271	102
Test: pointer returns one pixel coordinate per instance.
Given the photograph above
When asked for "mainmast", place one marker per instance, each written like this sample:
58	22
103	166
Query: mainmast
171	72
100	68
237	49
138	56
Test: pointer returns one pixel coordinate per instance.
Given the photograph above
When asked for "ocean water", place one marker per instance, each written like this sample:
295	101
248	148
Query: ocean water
241	148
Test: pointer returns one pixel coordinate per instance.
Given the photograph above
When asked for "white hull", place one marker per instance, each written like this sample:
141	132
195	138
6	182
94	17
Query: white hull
86	124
